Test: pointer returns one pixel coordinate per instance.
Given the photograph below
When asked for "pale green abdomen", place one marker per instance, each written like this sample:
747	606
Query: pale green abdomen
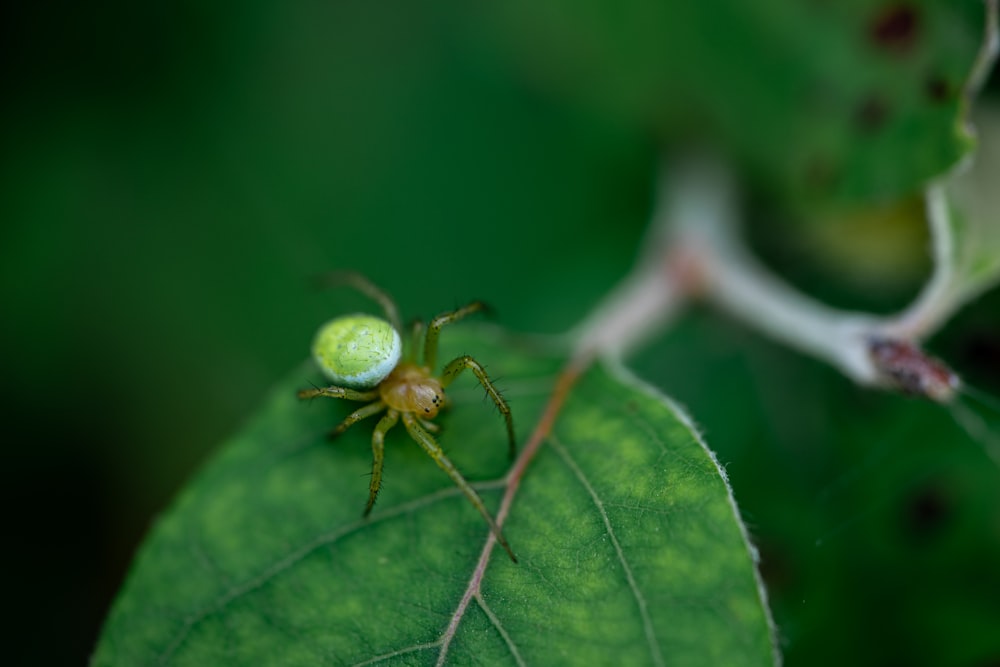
357	351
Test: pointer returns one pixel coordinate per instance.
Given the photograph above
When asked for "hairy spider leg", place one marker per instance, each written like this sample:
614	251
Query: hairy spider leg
378	456
426	440
361	413
430	426
352	395
378	435
340	392
454	369
369	289
434	329
416	331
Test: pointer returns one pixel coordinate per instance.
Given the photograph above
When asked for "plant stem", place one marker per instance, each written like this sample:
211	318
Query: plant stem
695	250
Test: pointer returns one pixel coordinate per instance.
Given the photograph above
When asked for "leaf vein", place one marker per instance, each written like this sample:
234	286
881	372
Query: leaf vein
647	623
296	556
508	640
398	652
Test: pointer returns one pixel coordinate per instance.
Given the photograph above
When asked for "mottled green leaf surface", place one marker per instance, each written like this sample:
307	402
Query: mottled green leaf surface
842	100
630	551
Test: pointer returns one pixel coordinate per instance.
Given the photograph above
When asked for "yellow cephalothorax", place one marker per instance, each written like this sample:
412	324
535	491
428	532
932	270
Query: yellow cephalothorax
363	356
411	388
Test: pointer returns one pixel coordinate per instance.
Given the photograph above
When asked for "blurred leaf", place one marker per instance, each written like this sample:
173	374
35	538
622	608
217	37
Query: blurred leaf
630	550
843	100
962	210
974	258
874	514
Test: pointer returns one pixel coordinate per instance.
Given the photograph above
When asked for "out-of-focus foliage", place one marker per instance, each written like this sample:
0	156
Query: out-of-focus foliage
817	100
172	174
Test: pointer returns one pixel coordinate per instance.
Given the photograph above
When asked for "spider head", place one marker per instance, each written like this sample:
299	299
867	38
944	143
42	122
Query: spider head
411	388
428	398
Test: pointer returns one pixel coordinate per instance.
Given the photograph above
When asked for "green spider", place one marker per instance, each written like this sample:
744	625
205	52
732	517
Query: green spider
363	356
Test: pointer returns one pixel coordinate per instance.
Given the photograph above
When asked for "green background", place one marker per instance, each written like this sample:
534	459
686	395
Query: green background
173	175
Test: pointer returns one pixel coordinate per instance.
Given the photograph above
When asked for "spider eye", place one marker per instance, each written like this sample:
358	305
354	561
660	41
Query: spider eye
357	351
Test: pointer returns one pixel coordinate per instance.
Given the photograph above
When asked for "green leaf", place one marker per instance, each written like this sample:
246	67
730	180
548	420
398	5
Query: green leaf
870	510
630	549
973	257
843	100
963	210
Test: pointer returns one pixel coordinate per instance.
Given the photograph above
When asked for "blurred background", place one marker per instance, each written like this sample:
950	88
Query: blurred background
174	174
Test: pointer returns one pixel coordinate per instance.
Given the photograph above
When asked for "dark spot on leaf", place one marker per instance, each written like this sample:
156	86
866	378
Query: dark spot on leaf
926	514
871	114
895	28
936	89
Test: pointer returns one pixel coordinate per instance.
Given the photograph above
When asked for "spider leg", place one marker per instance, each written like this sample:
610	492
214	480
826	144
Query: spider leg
430	426
425	440
452	371
339	392
378	454
434	329
356	416
366	287
416	330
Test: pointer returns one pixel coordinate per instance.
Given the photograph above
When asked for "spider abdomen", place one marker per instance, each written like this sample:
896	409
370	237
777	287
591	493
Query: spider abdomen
411	388
357	351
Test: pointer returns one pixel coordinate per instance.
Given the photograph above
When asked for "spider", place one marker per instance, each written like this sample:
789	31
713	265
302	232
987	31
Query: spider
363	356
